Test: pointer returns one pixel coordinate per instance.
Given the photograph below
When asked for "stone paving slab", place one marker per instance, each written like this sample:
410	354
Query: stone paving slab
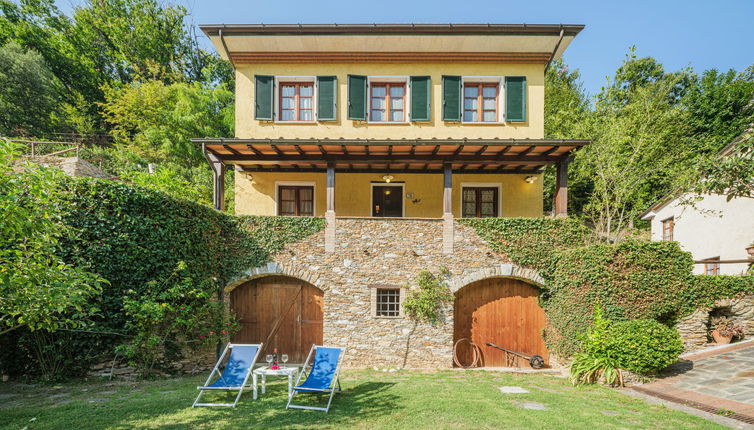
723	380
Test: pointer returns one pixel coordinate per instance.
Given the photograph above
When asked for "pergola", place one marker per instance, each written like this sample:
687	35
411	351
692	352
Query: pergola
427	156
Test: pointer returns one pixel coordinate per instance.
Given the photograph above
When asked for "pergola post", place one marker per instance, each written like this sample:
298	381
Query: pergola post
447	209
560	199
330	213
218	180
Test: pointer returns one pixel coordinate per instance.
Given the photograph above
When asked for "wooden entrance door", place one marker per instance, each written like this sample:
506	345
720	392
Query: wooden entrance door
502	311
387	201
260	303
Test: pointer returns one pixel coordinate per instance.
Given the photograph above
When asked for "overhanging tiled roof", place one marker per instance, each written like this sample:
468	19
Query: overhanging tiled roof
404	155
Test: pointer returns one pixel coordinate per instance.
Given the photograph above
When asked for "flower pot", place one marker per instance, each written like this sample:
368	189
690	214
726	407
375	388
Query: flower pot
750	250
720	339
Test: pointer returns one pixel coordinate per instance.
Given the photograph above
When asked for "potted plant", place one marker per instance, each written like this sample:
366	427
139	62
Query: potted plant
725	330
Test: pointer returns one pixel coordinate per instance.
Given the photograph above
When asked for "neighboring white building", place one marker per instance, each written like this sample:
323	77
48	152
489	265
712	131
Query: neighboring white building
713	229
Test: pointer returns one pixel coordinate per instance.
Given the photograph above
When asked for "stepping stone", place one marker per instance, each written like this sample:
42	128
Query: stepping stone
513	390
535	406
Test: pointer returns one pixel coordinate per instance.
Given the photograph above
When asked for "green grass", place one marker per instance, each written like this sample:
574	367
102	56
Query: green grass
405	399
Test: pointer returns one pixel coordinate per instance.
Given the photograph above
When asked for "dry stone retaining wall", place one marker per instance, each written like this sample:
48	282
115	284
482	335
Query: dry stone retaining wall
393	252
693	328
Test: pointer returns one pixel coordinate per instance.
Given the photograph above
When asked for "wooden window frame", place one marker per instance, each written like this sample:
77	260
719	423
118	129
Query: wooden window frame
296	100
667	232
394	292
297	201
387	110
713	267
480	102
478	187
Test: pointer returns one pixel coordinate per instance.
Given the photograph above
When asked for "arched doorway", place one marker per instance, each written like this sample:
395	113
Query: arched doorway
289	308
502	311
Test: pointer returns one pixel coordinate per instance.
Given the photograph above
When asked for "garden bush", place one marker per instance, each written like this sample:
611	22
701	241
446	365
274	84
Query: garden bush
643	346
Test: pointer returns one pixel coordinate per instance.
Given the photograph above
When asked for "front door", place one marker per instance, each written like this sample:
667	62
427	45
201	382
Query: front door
387	201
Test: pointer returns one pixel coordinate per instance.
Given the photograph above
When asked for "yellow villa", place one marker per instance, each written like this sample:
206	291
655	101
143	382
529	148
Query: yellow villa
390	132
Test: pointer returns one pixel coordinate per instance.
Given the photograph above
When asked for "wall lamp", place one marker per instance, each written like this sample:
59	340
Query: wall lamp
387	178
530	179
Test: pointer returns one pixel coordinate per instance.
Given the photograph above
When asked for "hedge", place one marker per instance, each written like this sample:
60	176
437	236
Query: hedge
631	280
135	238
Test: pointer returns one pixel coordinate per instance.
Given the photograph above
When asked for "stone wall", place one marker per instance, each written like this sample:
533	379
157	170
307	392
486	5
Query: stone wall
71	166
372	251
693	328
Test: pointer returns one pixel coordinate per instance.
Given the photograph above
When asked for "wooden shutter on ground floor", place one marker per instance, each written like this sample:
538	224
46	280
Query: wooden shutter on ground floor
515	98
451	98
357	97
420	98
327	95
264	96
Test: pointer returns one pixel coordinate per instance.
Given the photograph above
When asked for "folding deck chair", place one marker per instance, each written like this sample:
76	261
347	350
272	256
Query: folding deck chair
235	375
323	376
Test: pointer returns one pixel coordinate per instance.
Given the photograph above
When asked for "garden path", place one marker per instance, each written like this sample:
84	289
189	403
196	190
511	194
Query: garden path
719	381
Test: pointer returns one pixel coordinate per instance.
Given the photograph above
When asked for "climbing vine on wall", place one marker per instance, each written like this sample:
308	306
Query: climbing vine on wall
630	280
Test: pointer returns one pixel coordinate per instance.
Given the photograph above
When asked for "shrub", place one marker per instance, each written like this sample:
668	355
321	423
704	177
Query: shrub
426	303
644	346
596	362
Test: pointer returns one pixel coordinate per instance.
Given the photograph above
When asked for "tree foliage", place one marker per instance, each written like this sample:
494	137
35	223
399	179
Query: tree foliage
37	288
29	92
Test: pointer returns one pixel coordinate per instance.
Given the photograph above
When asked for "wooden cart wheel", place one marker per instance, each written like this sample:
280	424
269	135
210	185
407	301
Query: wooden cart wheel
536	362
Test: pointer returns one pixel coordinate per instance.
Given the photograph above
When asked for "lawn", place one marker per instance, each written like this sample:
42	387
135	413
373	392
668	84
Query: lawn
389	400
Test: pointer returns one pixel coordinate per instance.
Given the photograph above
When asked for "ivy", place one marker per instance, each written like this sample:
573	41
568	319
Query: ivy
630	280
135	238
273	233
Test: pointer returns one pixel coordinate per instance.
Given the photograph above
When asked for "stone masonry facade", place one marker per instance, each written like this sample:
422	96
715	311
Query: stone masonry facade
392	252
694	328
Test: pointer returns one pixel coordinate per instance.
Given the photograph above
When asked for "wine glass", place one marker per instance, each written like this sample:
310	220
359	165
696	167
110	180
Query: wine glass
268	359
284	358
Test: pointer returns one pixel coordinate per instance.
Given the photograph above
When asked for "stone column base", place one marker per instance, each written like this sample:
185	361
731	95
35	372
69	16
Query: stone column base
330	231
447	233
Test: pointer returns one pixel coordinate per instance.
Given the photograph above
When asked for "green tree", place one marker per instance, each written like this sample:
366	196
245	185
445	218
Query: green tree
730	174
37	289
158	120
29	92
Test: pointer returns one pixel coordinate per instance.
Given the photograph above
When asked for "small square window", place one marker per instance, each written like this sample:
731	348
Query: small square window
388	302
713	267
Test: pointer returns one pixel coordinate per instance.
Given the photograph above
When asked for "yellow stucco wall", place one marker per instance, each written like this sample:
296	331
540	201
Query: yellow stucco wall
248	127
255	193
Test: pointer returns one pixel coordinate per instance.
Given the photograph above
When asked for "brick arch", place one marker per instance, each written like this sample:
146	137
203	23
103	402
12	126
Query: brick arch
272	269
530	276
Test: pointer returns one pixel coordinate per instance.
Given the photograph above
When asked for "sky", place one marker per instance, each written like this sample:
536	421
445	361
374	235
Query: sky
700	34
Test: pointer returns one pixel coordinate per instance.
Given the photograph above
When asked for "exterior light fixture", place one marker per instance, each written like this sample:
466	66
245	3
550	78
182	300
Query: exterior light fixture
530	179
387	178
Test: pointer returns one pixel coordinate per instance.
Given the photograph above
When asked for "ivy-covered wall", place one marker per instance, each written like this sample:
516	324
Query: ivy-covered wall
632	279
135	238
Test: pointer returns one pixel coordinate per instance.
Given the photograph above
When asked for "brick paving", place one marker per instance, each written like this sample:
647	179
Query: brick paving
719	380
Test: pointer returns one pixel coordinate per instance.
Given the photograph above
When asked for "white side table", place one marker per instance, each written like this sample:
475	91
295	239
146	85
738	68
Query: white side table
264	372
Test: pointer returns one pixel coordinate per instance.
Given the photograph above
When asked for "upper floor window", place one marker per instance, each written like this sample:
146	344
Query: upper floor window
296	101
387	102
480	102
713	267
667	228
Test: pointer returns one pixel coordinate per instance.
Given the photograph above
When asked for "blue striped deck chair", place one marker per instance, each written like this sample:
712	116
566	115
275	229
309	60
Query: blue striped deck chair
322	377
235	376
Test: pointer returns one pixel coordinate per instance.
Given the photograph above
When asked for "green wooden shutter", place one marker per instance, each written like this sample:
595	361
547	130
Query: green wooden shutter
451	98
420	98
327	93
264	96
515	98
357	97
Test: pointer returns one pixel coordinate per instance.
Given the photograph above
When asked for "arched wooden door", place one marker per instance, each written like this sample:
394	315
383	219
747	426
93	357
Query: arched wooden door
502	311
293	305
